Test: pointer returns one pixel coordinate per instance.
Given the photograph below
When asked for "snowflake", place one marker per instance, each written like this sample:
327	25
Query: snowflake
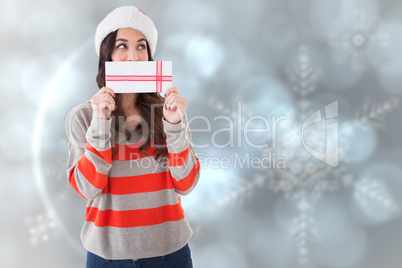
304	171
303	75
303	231
239	193
374	113
41	228
304	179
300	170
370	191
357	40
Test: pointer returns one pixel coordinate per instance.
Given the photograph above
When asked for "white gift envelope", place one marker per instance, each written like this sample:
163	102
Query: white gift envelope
138	76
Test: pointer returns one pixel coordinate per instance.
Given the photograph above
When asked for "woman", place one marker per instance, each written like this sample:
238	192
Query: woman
131	157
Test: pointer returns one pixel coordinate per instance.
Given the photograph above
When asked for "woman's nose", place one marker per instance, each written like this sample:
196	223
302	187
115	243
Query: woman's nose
132	55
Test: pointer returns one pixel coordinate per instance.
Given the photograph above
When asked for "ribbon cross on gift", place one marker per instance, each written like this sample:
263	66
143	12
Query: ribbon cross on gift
138	76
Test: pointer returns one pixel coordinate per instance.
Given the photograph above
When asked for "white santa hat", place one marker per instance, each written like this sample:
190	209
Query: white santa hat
127	17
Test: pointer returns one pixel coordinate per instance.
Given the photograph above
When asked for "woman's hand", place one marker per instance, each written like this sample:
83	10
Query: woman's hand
175	106
103	103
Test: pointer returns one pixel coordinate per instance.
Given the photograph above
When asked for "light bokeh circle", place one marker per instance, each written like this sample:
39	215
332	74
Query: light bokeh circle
45	102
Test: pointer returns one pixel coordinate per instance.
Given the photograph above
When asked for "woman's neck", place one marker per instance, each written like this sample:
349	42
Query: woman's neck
128	101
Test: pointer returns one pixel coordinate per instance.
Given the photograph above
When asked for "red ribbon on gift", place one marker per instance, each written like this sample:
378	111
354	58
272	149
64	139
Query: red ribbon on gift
158	78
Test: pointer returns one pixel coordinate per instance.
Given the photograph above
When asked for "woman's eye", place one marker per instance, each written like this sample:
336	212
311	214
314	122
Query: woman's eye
121	46
141	46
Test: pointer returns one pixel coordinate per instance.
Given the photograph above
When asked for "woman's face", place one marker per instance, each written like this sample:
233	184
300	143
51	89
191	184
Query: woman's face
130	45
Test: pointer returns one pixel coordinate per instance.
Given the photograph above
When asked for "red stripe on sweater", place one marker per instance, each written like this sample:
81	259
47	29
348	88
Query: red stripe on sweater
134	218
73	182
185	183
139	184
88	169
177	159
106	155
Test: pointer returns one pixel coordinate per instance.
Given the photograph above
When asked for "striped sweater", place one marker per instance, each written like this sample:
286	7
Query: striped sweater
133	201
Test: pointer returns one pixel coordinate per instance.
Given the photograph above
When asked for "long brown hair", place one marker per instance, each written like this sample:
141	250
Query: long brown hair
145	103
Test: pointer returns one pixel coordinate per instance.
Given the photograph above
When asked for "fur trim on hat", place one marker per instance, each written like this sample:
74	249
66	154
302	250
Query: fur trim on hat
127	17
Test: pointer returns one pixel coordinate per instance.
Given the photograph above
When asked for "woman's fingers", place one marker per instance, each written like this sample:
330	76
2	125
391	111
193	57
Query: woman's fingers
103	102
174	101
170	90
107	94
108	90
173	96
105	97
175	104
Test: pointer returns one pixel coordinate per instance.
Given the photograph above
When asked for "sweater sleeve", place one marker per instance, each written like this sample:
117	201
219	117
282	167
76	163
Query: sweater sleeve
89	152
182	161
